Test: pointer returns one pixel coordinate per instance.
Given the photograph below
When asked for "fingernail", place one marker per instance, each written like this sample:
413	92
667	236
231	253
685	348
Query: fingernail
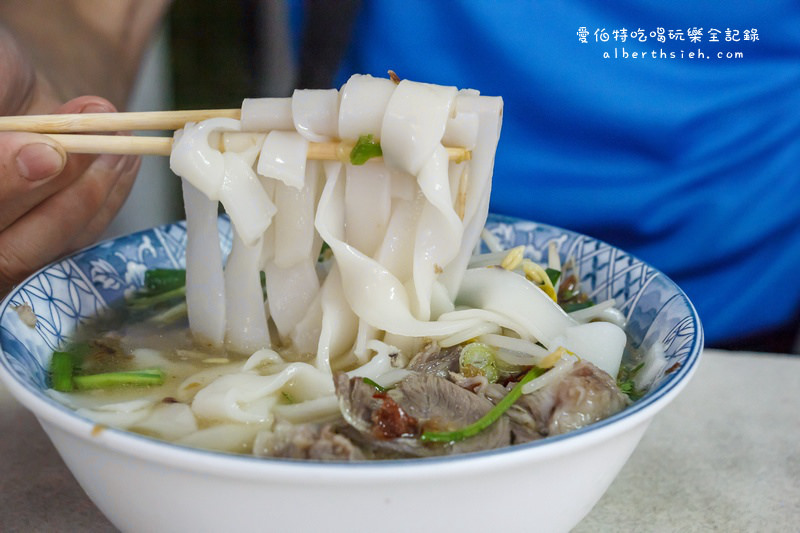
39	161
96	108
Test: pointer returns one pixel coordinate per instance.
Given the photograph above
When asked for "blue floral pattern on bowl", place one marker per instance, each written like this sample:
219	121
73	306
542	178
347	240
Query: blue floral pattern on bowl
83	285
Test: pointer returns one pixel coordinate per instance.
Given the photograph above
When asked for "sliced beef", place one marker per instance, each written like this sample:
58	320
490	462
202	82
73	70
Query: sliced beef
436	360
357	401
389	424
524	427
312	441
419	402
585	395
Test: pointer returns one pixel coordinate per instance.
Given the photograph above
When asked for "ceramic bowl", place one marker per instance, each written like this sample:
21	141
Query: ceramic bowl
142	484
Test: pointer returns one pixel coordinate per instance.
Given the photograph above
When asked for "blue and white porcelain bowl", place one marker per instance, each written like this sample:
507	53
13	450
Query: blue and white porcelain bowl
142	484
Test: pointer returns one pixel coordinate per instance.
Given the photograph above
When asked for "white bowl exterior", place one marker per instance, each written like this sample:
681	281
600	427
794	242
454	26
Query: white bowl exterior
550	493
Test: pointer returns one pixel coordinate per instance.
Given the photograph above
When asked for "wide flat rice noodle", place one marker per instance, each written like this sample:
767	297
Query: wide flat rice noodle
194	159
294	231
363	104
290	291
373	293
246	329
245	200
205	285
414	124
283	157
316	113
368	202
339	324
438	234
267	114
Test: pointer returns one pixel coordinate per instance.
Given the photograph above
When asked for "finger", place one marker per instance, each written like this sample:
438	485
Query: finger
32	167
121	188
27	162
114	202
68	211
84	104
49	230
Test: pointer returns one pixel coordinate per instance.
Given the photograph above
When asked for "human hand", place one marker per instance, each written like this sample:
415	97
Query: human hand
51	203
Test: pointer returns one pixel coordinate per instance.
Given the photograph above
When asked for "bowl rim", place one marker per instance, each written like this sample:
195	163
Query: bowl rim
48	409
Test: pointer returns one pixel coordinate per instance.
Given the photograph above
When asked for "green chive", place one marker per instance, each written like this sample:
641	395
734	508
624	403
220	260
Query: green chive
372	383
109	380
61	368
160	280
365	149
627	383
553	274
148	301
576	306
489	418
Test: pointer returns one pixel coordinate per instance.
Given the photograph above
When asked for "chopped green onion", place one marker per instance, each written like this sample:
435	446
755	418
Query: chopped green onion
373	383
365	149
489	418
161	280
149	301
109	380
324	253
576	306
61	368
171	315
553	274
65	363
160	285
478	359
626	381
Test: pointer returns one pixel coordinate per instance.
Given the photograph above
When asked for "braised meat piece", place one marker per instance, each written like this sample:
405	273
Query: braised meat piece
422	401
585	395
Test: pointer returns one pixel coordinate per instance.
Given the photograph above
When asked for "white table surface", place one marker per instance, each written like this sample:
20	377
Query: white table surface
724	456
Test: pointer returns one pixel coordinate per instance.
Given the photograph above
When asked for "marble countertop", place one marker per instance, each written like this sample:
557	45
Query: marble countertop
724	456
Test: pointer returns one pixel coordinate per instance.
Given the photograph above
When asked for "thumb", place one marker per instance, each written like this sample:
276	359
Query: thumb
29	157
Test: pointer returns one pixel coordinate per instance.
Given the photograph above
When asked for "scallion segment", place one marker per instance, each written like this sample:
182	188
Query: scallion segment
61	368
489	418
65	363
553	274
478	359
160	285
365	149
626	381
571	307
132	378
372	383
161	280
147	300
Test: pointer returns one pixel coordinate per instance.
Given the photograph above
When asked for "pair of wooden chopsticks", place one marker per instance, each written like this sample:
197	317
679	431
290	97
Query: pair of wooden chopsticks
61	128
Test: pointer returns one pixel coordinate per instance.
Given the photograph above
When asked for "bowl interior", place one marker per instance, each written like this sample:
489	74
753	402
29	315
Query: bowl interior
79	287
